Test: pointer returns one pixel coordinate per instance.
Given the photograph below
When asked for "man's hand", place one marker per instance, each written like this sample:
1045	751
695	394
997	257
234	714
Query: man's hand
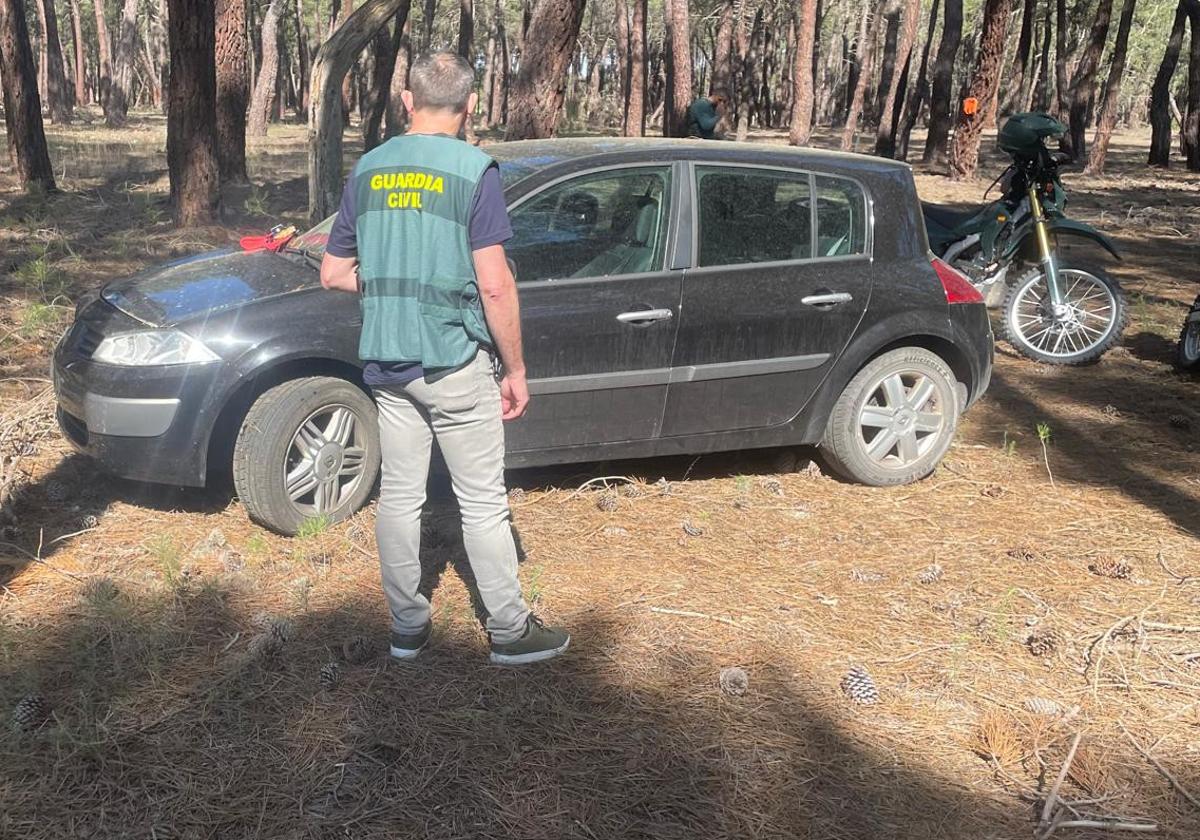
339	273
514	396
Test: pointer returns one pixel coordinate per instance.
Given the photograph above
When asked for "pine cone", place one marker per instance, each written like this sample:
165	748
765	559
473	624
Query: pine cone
1110	410
516	495
1179	421
1043	641
865	576
265	646
231	560
1023	554
607	501
56	491
330	676
31	712
692	530
663	486
631	490
1111	567
1043	706
358	650
812	470
993	491
772	486
89	522
734	681
930	574
858	685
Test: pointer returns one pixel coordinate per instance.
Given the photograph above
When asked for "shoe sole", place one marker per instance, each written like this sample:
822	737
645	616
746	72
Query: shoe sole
406	653
528	658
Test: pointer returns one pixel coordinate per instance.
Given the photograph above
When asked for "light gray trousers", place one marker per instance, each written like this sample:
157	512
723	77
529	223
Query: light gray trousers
462	410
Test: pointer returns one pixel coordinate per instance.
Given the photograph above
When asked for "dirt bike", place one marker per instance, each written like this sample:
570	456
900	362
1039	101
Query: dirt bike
1055	311
1188	354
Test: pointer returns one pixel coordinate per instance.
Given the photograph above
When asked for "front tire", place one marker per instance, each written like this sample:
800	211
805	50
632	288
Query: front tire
895	420
1094	316
1187	356
308	449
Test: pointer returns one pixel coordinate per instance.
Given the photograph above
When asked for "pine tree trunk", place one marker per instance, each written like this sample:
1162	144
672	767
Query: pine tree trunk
866	59
325	125
886	60
1160	93
104	46
387	48
80	50
466	29
1041	99
941	105
116	107
58	93
1191	121
395	116
747	69
679	68
233	89
635	100
347	8
489	76
1074	142
889	117
1107	120
621	34
22	105
722	69
264	86
537	96
500	74
191	112
1015	85
916	97
303	56
989	61
429	20
1062	81
802	73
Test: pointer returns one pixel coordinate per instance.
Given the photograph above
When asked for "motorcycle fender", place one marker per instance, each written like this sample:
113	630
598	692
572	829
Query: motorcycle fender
1060	227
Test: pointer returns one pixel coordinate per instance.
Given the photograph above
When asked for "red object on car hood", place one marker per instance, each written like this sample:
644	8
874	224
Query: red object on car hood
273	240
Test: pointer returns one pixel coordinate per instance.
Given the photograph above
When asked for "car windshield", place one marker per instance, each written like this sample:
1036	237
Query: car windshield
313	240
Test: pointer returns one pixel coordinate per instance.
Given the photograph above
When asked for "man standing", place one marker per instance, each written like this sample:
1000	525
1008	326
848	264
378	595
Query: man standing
420	235
704	115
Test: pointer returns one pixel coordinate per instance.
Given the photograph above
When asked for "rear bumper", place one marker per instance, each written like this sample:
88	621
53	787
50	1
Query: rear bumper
973	335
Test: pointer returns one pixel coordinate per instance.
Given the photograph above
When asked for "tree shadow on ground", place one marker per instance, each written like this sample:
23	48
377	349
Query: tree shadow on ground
166	723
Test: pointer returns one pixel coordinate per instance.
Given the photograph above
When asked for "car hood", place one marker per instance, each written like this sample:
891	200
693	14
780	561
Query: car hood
199	286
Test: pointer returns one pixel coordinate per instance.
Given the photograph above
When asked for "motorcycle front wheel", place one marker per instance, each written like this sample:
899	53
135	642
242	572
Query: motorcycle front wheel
1083	328
1188	354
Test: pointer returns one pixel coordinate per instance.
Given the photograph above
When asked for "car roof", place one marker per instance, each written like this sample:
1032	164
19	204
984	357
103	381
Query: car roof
523	158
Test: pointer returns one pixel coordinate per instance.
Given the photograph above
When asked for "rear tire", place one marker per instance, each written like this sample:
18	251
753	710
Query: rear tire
1187	355
307	449
895	420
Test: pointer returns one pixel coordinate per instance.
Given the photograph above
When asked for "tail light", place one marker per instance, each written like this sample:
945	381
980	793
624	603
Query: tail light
957	287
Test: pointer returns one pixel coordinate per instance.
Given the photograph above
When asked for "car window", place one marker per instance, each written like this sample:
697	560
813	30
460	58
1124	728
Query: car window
596	225
841	218
315	238
753	215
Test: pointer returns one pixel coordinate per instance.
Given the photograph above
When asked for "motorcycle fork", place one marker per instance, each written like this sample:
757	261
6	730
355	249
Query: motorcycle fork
1044	250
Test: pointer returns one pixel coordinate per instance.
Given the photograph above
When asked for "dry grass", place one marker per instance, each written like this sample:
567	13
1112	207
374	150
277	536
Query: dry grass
184	668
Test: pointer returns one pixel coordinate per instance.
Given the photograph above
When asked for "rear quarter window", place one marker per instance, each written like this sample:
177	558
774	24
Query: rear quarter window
841	217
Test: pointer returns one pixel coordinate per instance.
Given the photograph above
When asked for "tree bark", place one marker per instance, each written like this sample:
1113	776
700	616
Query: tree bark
889	117
1160	93
332	63
387	48
395	116
866	66
264	86
303	56
916	97
233	89
1015	85
886	60
537	96
466	29
635	100
941	105
621	34
722	69
80	51
500	75
802	73
1062	82
679	68
1074	142
989	61
104	47
191	112
748	59
22	105
1191	120
116	107
1041	100
58	94
1112	90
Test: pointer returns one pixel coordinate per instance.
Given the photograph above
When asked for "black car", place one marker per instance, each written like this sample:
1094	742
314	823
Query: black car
677	297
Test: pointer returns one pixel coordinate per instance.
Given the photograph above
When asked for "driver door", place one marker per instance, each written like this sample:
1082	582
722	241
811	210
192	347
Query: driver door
599	311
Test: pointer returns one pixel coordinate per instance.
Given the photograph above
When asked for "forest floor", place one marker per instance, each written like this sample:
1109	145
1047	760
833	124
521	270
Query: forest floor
144	616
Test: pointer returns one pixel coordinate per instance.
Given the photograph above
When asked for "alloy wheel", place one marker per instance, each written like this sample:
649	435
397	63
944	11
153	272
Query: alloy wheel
901	419
326	460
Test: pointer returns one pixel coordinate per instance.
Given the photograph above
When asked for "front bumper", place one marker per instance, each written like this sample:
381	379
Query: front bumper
148	424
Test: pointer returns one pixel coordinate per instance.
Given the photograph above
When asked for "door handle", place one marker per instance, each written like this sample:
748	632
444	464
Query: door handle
827	299
644	316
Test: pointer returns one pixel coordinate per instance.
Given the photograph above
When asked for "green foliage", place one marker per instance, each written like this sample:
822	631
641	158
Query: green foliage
313	527
167	555
535	585
256	202
41	279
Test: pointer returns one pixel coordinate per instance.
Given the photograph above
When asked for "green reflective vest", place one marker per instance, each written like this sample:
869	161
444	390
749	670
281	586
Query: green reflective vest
420	298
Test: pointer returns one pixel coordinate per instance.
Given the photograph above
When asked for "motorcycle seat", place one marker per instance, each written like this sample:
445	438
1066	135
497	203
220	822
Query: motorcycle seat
946	216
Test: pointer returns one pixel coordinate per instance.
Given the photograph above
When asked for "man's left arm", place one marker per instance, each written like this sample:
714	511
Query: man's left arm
339	267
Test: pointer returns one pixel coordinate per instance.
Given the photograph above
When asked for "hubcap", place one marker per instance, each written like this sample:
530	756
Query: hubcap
901	419
1083	320
325	461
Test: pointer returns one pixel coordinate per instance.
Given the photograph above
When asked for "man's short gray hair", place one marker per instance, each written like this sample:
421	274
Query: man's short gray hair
441	81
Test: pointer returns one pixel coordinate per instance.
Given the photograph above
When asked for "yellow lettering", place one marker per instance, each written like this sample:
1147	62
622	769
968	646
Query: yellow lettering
437	185
416	202
376	182
391	199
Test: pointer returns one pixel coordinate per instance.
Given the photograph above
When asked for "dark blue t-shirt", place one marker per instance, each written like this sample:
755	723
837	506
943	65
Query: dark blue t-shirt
489	226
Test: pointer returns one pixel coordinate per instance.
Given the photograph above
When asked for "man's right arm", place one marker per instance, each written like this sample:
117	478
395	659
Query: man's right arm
498	290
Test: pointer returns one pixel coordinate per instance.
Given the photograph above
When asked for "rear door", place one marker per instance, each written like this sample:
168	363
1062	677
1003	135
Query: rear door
599	309
781	278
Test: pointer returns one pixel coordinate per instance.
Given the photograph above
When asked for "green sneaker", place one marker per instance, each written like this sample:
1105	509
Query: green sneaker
538	642
408	645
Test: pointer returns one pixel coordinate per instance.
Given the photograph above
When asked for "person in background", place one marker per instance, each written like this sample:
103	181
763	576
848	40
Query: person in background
704	116
420	235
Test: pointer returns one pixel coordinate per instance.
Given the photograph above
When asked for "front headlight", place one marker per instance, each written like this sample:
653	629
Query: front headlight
152	347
